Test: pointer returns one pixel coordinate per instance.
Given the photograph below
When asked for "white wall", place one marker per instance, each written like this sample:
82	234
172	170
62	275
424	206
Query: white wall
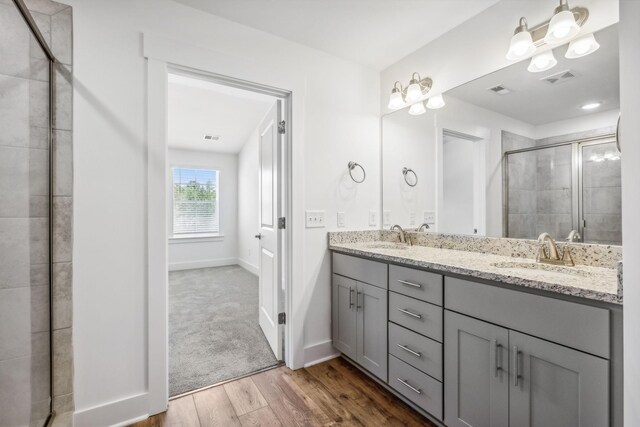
336	119
579	124
248	213
630	129
206	252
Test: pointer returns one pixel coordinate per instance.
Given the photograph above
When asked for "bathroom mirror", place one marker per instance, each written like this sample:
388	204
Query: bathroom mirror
514	153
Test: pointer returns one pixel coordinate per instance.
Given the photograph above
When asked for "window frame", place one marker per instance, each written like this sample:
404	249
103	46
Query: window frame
195	236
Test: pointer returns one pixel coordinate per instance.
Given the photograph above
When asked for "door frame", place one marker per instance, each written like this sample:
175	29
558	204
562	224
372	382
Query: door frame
159	65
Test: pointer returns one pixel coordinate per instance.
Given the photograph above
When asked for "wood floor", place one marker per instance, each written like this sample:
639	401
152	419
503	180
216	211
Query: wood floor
328	394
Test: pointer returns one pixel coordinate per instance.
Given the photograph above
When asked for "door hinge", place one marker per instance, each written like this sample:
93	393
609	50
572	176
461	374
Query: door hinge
282	127
282	223
282	318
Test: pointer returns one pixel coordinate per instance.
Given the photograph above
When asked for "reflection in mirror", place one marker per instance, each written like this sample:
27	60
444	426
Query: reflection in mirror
514	153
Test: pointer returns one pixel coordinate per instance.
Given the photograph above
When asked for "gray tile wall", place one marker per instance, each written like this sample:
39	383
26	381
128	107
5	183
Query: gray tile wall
24	216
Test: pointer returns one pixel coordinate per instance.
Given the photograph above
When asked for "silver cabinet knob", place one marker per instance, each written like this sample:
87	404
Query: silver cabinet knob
258	236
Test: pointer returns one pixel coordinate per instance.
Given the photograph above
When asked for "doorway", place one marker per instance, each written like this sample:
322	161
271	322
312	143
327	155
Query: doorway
225	198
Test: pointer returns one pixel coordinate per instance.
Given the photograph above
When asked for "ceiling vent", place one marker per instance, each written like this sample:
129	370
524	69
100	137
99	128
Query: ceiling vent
499	89
211	138
561	77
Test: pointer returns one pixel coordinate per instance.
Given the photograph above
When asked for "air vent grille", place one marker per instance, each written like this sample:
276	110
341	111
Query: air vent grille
212	138
499	89
561	77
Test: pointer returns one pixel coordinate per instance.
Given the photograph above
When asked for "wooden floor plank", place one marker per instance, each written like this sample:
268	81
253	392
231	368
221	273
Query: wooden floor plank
244	396
263	417
215	409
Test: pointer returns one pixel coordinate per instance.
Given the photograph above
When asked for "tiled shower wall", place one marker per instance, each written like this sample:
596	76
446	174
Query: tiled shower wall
24	198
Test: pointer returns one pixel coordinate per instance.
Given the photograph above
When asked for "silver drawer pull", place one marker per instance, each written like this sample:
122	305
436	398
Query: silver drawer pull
417	390
415	285
417	316
415	353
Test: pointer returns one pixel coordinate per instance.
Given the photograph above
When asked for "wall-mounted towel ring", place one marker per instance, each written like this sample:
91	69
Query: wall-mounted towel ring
618	134
352	166
407	171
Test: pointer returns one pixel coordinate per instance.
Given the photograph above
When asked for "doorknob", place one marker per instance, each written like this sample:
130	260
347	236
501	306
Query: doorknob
258	236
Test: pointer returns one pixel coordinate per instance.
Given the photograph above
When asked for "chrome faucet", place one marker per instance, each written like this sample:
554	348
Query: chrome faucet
551	256
574	236
402	236
425	226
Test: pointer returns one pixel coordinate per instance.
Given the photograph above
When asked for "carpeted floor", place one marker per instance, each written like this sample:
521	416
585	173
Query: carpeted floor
213	327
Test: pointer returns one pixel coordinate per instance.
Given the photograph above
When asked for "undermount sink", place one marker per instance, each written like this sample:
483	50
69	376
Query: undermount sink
541	268
387	245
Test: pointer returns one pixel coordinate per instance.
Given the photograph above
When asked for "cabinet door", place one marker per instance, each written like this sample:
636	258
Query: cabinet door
372	329
343	315
476	374
552	385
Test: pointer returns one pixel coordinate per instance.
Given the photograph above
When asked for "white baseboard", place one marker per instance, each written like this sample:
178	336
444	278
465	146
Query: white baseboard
249	267
114	414
319	353
190	265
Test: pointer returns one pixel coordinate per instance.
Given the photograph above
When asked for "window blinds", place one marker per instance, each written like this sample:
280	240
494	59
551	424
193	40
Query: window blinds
195	201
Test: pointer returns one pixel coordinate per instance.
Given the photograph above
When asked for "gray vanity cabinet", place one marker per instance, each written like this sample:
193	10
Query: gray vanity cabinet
556	385
344	318
476	372
371	309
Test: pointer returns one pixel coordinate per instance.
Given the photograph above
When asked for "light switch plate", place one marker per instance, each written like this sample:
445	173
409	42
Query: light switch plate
412	218
341	219
386	215
430	217
314	219
373	218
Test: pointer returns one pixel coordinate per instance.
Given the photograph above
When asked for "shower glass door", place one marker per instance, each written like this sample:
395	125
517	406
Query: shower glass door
25	356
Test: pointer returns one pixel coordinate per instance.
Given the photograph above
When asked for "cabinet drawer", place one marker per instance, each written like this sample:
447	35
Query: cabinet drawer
416	283
363	270
420	352
574	325
419	316
416	386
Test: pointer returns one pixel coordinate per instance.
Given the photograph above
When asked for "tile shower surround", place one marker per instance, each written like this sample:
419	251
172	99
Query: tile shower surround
24	157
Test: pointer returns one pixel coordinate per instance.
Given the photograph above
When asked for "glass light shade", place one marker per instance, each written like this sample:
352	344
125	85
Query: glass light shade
582	46
562	27
417	109
414	93
542	62
435	102
521	46
396	101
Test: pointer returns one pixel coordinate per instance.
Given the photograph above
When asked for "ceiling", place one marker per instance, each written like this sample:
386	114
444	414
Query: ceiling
198	107
536	102
375	33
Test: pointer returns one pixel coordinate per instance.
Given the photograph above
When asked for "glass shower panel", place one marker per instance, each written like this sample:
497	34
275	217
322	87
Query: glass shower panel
601	194
540	190
25	359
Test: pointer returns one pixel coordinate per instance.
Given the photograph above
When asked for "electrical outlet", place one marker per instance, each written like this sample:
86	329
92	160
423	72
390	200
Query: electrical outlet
314	219
430	217
412	218
386	215
341	219
373	218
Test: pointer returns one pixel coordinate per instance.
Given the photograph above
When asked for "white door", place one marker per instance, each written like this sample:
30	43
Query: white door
270	145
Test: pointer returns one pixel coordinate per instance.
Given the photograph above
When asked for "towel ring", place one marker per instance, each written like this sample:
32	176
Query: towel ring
618	134
405	172
352	166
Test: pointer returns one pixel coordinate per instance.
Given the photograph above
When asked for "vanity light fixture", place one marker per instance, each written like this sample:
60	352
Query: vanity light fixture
521	44
414	92
542	62
435	102
582	46
591	106
417	109
562	26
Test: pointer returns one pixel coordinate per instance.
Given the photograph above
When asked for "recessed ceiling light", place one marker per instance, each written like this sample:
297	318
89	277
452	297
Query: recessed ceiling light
590	106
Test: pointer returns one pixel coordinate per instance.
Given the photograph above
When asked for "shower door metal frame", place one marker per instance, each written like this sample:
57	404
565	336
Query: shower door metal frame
577	210
35	31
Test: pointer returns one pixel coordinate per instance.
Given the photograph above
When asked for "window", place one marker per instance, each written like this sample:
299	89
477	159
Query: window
195	201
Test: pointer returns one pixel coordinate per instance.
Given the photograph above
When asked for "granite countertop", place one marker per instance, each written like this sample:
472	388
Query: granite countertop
594	283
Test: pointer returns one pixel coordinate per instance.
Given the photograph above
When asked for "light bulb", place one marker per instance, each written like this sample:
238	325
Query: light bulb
395	100
414	93
582	46
542	62
417	109
521	45
562	26
435	102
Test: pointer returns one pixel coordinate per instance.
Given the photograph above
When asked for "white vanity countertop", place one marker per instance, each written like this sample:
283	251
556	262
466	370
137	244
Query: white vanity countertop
595	283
